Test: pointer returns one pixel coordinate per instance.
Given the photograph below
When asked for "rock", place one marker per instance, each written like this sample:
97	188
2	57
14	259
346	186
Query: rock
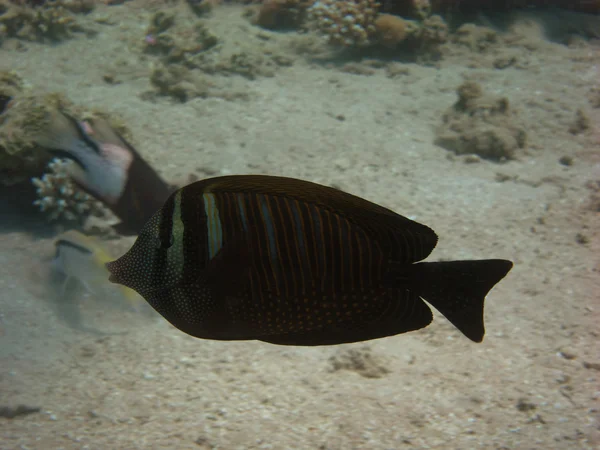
361	361
480	125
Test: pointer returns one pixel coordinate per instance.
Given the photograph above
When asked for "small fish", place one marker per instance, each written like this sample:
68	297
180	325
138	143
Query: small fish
82	258
291	262
107	167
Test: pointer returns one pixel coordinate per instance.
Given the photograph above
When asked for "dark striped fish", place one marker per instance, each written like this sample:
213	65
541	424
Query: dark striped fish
291	262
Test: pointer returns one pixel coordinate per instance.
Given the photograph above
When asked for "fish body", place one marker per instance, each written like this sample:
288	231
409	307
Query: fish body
82	258
107	167
296	263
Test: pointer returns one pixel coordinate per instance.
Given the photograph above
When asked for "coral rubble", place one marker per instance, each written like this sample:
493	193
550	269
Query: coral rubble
179	82
177	44
480	124
49	21
362	361
191	59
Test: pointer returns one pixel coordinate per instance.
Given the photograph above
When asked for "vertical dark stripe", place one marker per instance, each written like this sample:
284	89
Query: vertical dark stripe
278	238
299	227
320	245
340	246
351	255
230	222
360	253
165	230
369	262
378	262
312	243
258	241
288	244
273	251
334	256
297	237
242	210
195	233
266	233
346	253
267	221
197	229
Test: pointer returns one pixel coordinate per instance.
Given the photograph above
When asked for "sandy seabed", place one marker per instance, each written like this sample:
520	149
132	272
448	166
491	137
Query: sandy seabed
534	382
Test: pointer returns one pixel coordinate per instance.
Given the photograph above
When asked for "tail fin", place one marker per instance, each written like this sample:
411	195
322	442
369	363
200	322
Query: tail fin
457	289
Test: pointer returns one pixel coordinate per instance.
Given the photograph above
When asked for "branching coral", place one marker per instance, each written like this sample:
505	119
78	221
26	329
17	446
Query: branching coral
347	23
60	198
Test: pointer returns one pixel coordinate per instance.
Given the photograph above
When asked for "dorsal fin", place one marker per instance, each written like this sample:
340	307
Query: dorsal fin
407	240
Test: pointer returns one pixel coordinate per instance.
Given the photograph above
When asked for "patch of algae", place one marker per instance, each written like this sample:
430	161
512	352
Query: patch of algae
23	114
360	360
482	125
177	45
53	21
179	82
191	57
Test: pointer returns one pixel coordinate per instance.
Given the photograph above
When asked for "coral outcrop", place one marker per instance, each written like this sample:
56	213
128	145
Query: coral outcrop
391	30
177	44
482	125
49	21
281	14
23	114
346	23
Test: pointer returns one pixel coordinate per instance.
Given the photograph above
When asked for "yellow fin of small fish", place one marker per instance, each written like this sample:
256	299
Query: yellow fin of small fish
83	257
